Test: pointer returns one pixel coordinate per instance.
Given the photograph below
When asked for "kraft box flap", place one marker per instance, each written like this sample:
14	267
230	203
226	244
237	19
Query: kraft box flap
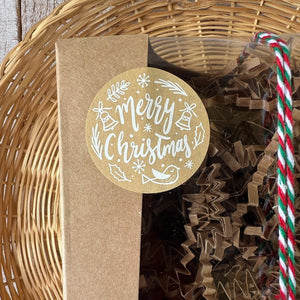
101	223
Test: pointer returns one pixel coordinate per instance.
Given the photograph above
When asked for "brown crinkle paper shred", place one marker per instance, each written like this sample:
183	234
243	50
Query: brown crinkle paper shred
216	237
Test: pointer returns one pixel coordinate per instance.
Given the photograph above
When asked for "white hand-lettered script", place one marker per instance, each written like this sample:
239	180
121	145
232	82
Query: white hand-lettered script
159	148
157	110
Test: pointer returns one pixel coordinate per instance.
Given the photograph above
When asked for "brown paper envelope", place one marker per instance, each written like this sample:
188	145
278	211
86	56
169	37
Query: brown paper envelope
101	223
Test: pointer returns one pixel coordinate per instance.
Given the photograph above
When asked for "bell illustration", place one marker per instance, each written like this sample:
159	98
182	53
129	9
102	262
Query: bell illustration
107	121
184	122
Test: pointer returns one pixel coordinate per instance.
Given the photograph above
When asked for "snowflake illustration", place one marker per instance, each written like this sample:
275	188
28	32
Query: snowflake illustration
189	164
139	166
148	127
143	80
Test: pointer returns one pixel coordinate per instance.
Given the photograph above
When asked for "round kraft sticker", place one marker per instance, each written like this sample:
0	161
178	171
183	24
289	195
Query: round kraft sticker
147	130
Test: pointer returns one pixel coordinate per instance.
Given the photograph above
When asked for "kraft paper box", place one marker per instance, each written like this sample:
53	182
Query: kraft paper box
101	223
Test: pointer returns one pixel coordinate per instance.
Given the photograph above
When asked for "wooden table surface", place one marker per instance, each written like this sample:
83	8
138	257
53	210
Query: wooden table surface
16	18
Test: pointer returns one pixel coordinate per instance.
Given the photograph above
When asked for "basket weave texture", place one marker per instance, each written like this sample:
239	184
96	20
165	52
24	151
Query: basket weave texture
29	204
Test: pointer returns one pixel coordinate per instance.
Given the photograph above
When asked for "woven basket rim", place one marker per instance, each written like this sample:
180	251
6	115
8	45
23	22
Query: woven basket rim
29	145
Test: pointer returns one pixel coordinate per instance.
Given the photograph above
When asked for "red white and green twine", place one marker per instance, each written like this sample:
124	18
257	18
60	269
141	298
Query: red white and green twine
285	163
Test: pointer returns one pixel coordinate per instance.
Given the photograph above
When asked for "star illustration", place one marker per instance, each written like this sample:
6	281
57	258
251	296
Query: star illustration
189	164
143	80
138	166
148	127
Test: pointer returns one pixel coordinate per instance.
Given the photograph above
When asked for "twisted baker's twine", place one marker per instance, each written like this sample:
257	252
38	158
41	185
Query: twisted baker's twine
285	162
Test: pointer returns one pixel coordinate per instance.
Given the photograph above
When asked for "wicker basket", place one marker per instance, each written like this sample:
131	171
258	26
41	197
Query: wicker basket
30	231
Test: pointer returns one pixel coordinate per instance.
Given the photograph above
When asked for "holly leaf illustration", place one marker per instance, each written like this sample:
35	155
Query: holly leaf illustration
117	173
199	135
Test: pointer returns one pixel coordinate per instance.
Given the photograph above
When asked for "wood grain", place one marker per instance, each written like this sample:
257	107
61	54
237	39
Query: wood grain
18	16
32	11
8	26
